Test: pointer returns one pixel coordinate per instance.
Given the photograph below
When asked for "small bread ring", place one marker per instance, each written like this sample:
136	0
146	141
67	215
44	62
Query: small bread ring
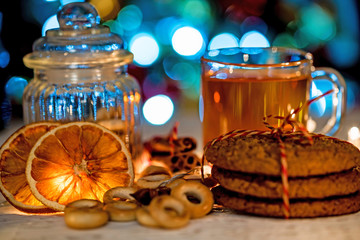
152	181
198	191
84	204
121	211
85	214
169	212
175	182
119	192
144	218
155	170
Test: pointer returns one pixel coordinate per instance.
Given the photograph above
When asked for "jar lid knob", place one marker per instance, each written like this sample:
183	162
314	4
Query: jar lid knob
78	16
81	42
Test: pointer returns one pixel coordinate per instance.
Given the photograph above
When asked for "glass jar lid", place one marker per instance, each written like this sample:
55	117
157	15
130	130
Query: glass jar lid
80	42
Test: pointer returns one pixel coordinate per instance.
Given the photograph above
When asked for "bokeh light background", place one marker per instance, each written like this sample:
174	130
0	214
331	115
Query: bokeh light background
168	37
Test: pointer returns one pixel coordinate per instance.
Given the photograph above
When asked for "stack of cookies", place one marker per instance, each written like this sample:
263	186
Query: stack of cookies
323	177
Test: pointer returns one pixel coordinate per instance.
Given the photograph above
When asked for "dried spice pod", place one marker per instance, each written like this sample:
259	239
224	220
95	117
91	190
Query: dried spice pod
163	146
145	195
158	146
184	144
179	162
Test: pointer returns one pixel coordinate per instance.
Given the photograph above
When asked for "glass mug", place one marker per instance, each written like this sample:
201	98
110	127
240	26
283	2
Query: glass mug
240	86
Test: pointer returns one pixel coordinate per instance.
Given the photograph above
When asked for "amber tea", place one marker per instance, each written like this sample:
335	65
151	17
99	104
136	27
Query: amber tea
242	103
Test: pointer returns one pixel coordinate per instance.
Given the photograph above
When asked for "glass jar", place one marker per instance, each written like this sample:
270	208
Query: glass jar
80	74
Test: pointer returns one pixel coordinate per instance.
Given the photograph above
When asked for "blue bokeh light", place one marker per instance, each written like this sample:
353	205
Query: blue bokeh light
223	40
64	2
353	89
165	28
158	109
318	107
343	50
254	39
50	23
4	58
145	49
14	89
187	41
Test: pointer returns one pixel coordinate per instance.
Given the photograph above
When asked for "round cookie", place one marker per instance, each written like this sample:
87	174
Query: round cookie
336	184
298	208
260	154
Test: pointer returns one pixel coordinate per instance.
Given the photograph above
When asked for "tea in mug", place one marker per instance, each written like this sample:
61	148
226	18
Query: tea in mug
242	103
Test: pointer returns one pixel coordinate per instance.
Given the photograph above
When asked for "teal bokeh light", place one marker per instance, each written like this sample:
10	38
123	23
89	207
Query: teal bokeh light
130	17
185	73
198	12
316	23
285	40
114	26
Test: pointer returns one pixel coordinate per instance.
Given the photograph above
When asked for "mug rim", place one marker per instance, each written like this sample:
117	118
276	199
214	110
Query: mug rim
307	57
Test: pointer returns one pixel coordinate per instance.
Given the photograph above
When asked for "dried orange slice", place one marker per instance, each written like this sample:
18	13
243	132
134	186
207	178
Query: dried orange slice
13	156
75	161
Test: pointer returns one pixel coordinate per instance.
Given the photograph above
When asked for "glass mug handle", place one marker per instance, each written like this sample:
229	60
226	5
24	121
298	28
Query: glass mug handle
338	98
